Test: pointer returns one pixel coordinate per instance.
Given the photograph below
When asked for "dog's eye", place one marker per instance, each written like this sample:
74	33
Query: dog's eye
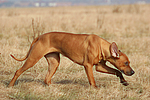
126	63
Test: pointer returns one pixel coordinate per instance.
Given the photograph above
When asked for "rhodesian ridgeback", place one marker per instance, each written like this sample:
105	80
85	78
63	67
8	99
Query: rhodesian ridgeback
83	49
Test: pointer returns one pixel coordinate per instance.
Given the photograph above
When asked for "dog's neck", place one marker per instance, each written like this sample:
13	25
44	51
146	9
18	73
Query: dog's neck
105	48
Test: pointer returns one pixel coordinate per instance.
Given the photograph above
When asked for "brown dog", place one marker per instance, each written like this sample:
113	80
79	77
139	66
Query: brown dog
84	49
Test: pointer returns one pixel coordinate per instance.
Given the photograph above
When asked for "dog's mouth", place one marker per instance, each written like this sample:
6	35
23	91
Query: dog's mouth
128	73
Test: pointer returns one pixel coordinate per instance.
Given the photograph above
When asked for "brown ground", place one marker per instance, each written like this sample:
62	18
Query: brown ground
127	25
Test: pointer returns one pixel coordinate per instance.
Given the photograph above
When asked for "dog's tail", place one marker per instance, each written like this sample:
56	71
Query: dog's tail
22	59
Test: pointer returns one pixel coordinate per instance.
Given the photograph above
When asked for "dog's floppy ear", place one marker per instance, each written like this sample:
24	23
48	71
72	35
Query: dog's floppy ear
114	50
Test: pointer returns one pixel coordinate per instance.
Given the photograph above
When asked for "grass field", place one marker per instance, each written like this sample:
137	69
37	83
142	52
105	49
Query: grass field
127	25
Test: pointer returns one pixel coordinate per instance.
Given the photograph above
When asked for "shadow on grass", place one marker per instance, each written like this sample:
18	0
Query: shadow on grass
24	80
40	81
76	82
101	82
64	82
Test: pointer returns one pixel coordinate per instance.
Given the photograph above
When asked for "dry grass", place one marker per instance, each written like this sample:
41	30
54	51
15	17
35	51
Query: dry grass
127	25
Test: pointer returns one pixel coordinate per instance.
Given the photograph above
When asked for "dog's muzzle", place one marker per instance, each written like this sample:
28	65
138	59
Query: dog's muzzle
128	73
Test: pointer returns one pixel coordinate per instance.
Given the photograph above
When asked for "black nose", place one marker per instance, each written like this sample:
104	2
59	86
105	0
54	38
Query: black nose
132	72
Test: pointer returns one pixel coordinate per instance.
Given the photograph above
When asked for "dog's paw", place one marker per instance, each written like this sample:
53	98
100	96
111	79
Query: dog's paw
93	87
125	83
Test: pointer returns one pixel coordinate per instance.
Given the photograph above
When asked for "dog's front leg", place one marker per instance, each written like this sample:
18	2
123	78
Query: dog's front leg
102	67
89	72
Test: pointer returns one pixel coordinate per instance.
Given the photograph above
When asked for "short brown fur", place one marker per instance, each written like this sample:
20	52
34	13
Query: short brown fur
84	49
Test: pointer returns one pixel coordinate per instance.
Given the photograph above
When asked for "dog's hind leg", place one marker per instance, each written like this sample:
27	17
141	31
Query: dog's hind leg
53	60
28	64
37	52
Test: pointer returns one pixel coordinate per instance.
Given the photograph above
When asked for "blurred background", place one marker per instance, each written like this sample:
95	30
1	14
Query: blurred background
54	3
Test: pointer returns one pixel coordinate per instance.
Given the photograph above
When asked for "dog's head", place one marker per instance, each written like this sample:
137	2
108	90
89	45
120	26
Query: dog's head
120	60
